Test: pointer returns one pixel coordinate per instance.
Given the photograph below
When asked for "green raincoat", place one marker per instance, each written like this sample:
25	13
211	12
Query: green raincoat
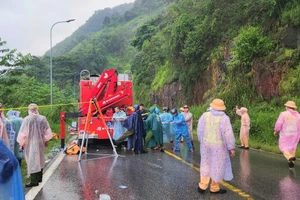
153	126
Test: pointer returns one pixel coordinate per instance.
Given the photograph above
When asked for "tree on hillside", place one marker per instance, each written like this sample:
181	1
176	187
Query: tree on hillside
9	58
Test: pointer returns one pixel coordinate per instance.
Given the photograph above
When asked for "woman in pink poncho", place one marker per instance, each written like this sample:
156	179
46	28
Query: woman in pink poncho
3	134
189	121
217	144
245	127
33	137
288	124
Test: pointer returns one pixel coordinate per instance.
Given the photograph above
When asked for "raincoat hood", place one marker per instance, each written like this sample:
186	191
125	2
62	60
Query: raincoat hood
11	114
152	110
217	112
33	109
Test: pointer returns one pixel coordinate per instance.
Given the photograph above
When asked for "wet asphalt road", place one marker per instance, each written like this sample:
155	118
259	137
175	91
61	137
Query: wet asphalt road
156	175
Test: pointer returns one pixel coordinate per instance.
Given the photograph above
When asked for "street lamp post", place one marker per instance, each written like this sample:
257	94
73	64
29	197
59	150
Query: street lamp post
67	21
74	86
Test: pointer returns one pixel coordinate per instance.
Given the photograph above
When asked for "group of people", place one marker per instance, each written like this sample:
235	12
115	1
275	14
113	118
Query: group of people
142	129
217	142
20	138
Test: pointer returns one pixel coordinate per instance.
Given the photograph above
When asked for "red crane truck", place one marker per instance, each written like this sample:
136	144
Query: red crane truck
110	89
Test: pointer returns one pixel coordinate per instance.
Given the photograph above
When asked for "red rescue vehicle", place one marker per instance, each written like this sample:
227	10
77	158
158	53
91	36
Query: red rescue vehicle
110	89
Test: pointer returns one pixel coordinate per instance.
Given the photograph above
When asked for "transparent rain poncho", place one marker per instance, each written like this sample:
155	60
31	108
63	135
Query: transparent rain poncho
118	125
33	134
3	133
16	123
216	138
11	134
189	122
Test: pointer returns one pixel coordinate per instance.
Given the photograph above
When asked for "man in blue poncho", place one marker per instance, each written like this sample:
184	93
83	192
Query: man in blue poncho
180	129
134	125
16	123
11	185
166	127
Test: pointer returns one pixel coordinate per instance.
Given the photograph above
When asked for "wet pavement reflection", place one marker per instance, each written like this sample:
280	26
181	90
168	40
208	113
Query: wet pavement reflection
158	175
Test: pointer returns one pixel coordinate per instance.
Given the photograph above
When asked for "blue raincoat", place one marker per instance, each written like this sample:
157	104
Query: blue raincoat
11	185
119	130
16	123
180	129
135	121
167	129
10	133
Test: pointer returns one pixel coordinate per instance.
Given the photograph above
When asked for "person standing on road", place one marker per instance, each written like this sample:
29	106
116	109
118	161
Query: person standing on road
181	109
118	119
135	126
16	123
288	124
154	130
216	139
180	130
33	137
11	184
166	127
144	113
245	127
3	133
189	121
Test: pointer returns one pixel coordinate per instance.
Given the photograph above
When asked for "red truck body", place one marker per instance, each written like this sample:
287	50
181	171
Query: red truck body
110	90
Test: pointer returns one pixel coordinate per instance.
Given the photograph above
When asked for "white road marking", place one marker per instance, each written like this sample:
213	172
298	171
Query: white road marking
31	194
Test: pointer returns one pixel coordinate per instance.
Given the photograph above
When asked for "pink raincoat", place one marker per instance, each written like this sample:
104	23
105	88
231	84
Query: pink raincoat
33	134
245	124
288	123
189	122
3	134
216	138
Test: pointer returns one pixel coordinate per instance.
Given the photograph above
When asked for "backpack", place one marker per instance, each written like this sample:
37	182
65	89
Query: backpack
74	149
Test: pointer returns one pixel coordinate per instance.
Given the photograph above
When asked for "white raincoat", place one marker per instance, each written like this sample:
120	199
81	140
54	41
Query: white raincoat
33	134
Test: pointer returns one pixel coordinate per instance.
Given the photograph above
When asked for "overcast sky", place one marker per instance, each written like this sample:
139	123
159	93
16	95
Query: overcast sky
25	24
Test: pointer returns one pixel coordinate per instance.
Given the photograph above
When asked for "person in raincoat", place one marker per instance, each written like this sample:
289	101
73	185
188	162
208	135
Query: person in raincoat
118	119
245	127
135	126
154	130
189	121
167	129
3	133
16	123
216	139
11	184
288	126
144	113
180	130
33	137
181	109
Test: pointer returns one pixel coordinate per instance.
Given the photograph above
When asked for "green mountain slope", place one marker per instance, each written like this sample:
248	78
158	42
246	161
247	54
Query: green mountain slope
92	25
189	52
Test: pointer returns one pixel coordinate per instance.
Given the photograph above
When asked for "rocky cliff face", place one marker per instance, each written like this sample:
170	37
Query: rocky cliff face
267	79
267	76
172	95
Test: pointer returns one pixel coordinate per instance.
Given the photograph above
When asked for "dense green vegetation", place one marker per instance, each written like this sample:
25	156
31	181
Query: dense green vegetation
230	47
